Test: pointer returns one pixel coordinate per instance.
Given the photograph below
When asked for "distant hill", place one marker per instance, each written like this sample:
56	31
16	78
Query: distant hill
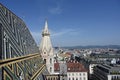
93	46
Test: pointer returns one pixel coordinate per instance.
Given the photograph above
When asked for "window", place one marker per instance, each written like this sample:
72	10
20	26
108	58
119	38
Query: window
56	78
80	74
80	78
69	78
76	74
84	78
73	74
83	74
50	60
69	74
50	69
72	78
48	79
45	60
44	52
76	78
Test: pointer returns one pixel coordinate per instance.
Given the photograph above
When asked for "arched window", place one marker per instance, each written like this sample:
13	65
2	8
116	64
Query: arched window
44	52
45	60
48	78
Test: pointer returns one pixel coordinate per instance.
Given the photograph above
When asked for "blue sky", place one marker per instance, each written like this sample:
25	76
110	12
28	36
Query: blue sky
71	22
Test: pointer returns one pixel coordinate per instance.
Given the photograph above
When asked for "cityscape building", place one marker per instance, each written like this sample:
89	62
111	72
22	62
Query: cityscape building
106	72
76	71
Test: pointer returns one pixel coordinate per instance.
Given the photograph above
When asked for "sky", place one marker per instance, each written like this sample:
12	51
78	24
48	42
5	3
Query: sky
71	22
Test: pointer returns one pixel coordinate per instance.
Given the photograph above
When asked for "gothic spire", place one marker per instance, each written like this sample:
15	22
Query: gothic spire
46	49
45	31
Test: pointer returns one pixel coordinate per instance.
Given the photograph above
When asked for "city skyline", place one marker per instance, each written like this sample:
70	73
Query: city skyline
71	23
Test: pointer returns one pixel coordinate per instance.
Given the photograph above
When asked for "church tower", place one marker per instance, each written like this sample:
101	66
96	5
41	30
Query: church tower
46	49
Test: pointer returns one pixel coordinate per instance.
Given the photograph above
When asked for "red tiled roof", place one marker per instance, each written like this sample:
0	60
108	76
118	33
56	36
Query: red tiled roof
74	66
68	53
56	67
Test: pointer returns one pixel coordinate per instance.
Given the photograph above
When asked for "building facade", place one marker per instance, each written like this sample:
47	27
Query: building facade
106	72
76	71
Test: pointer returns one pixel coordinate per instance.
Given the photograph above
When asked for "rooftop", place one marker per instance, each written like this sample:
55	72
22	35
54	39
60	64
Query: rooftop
56	67
75	66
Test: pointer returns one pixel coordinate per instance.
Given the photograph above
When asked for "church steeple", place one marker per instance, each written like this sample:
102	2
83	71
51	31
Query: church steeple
46	49
46	31
45	42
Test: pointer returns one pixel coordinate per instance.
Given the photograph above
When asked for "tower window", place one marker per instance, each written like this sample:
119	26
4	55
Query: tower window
50	69
45	60
50	60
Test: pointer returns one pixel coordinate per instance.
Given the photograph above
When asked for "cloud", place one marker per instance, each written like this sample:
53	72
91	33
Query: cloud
55	10
63	32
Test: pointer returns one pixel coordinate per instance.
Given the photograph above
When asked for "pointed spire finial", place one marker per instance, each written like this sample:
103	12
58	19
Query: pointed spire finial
46	31
46	25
